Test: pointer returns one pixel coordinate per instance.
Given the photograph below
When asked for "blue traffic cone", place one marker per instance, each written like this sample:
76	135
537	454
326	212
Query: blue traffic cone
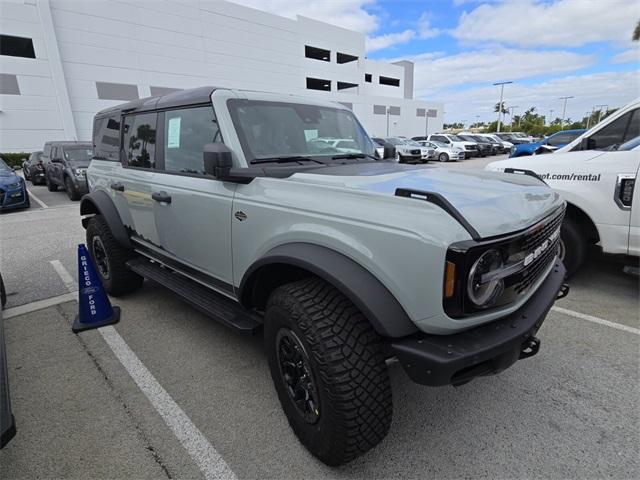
95	309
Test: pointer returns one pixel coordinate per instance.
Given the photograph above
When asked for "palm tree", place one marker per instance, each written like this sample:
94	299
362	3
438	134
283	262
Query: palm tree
496	108
636	33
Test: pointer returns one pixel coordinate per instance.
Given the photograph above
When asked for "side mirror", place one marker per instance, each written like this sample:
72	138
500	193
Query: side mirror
217	160
389	152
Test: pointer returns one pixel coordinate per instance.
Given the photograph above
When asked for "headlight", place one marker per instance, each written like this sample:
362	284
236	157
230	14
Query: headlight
513	149
483	292
80	171
16	184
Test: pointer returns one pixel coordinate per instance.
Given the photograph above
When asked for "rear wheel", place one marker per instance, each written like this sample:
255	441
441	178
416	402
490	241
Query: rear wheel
110	259
572	249
52	187
443	157
72	193
329	372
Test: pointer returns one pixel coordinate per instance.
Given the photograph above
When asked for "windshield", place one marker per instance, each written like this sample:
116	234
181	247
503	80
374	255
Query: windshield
456	138
79	156
395	141
412	143
279	129
3	166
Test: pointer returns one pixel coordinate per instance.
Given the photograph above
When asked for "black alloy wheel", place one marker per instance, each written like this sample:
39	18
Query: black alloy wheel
100	258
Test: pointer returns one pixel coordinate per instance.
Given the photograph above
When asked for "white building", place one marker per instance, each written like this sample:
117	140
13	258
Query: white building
62	61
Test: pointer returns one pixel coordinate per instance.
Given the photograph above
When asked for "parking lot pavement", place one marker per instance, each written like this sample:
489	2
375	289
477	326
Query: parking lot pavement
472	163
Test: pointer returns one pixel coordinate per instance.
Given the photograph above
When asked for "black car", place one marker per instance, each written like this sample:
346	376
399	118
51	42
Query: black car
495	148
509	137
33	169
484	148
65	165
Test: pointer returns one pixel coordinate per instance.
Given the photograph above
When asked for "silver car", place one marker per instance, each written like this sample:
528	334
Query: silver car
443	152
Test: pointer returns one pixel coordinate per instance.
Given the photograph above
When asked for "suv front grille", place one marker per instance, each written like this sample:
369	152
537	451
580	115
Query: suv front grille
469	147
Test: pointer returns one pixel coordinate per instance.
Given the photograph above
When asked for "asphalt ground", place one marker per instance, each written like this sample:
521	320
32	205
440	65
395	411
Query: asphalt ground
83	411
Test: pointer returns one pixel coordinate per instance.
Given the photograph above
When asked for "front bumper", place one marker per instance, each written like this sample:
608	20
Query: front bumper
486	350
13	198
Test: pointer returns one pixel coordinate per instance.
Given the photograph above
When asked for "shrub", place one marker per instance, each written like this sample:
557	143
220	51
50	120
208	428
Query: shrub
13	159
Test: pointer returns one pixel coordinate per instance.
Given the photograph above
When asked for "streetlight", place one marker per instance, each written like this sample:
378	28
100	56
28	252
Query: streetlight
550	115
600	110
511	110
388	122
502	84
564	109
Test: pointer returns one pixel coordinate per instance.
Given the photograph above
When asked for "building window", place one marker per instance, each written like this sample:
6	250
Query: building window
9	84
317	53
345	85
160	91
367	77
116	91
394	82
345	58
16	46
318	84
139	140
421	112
394	110
379	110
349	105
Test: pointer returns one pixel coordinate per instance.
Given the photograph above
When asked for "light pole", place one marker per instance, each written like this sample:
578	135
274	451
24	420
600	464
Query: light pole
600	111
511	110
387	122
564	109
550	116
502	84
588	113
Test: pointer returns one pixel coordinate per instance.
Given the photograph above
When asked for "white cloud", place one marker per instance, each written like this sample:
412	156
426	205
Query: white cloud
628	56
491	65
349	14
425	29
561	23
615	89
385	41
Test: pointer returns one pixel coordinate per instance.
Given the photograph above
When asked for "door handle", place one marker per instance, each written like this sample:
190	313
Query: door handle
162	197
117	186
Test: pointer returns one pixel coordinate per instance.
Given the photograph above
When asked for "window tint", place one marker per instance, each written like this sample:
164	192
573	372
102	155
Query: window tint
186	132
633	130
47	150
561	139
106	138
611	134
54	153
139	139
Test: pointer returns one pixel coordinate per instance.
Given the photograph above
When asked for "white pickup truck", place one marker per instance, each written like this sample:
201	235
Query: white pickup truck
596	175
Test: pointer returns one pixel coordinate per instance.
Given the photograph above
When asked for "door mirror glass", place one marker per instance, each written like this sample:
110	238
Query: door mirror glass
217	160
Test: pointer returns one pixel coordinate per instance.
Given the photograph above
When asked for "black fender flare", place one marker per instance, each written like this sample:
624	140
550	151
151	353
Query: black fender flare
99	203
367	293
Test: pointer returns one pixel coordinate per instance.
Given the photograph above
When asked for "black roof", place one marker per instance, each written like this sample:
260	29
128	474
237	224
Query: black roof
178	98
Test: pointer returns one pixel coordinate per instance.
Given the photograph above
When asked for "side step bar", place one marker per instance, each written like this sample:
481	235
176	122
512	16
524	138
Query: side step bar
208	301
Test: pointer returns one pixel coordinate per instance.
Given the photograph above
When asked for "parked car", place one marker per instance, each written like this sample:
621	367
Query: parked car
525	137
511	138
444	152
618	128
13	190
427	153
602	199
484	147
7	422
557	140
406	153
502	146
470	148
33	169
342	260
66	165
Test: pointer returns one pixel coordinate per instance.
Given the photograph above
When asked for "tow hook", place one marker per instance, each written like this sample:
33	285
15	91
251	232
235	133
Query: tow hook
563	292
530	347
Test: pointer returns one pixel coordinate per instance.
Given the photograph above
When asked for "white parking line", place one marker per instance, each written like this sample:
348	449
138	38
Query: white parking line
601	321
40	202
210	462
38	305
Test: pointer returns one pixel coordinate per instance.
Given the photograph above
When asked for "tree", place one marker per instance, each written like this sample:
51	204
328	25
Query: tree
636	33
497	106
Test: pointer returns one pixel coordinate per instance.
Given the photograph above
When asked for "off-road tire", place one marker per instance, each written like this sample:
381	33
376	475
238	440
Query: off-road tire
72	193
52	187
121	279
574	245
443	157
347	364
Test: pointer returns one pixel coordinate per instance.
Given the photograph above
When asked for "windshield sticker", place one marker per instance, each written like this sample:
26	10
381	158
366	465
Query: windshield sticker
173	134
584	177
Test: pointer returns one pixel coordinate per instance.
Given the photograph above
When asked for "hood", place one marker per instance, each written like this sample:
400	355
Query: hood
8	176
493	203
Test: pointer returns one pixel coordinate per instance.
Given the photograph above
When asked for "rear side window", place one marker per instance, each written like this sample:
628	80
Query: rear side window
616	132
186	132
47	150
106	138
139	140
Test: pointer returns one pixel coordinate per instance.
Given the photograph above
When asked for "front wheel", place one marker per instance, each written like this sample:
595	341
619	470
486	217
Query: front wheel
443	157
329	371
72	192
52	187
572	249
110	259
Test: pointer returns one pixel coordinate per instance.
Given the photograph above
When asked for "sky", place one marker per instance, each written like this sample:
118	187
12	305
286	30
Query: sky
548	48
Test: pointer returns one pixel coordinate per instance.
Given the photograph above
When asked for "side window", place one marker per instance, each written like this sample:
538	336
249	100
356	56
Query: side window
54	153
139	140
633	130
186	132
47	150
106	138
561	139
614	133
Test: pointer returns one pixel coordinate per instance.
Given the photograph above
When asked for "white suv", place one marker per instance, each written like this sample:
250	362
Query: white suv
470	148
343	259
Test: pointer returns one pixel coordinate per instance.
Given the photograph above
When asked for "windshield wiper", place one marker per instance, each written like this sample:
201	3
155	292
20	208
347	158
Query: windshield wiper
292	158
347	156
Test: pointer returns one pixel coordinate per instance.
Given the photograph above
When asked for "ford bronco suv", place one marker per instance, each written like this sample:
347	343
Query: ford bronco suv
343	259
